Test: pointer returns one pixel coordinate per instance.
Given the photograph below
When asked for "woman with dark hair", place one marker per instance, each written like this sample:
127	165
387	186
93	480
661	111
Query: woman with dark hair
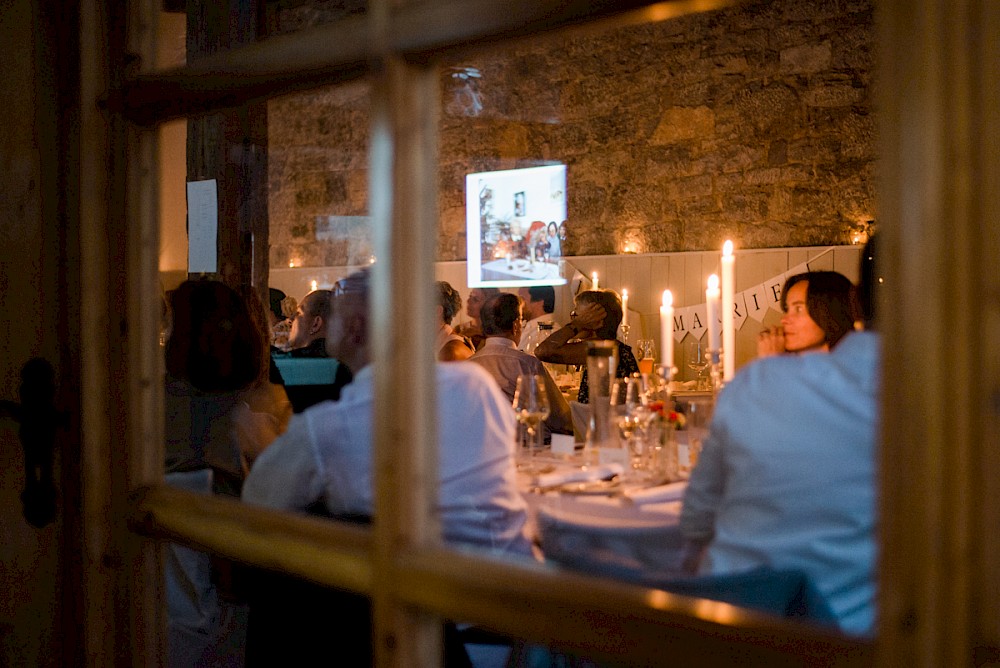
451	347
216	356
473	330
819	309
217	360
596	315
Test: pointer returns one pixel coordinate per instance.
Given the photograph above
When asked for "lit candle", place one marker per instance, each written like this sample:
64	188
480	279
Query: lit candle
712	302
728	328
625	307
667	332
313	285
593	281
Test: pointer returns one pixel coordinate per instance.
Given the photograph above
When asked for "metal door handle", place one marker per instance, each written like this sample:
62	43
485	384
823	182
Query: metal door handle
38	420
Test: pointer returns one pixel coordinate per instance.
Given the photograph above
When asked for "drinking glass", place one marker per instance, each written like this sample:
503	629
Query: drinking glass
644	348
696	358
631	416
698	414
531	406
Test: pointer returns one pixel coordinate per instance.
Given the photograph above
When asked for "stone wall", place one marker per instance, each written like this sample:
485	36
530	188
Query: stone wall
752	123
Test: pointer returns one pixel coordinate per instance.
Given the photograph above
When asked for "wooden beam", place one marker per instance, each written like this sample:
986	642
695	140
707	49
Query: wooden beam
594	616
340	51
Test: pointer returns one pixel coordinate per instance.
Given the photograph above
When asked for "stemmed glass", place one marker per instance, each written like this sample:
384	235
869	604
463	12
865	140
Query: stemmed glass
646	359
632	416
531	407
696	358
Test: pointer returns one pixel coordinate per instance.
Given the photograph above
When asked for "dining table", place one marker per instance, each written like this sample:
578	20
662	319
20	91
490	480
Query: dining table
598	519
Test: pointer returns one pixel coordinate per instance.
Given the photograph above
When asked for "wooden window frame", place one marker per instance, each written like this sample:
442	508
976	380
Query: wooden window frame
935	83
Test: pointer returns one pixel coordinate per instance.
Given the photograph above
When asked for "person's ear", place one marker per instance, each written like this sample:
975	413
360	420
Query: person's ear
318	325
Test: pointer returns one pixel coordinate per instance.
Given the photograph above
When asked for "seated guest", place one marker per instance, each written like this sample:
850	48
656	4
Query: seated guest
326	454
280	309
539	303
501	318
787	479
216	366
597	315
451	347
817	308
307	337
472	329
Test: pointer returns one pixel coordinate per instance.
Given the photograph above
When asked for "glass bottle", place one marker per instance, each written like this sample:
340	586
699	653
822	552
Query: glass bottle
602	443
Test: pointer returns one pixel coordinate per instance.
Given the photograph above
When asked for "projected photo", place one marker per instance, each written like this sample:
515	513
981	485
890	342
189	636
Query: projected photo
516	226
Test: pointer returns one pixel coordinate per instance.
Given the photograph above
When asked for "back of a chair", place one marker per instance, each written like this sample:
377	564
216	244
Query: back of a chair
293	622
612	546
781	592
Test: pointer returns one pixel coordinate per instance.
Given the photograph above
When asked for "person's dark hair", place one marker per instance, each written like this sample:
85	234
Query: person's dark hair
275	296
450	301
552	229
258	318
870	284
612	305
318	303
499	314
545	293
829	300
214	343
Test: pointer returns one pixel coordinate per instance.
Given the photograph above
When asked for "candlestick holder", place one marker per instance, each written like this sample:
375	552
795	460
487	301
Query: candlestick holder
715	369
666	374
625	330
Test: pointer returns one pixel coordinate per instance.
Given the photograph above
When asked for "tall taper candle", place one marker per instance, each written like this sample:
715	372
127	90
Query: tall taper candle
625	308
593	281
728	308
667	331
712	302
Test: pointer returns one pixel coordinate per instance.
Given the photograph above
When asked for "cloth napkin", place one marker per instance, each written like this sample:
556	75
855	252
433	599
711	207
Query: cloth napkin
602	472
659	494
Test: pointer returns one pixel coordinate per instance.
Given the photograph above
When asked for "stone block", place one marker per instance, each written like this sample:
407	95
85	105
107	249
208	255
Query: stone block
807	59
833	95
683	123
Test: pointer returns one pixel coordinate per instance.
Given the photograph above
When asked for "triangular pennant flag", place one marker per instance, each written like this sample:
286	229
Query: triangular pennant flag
772	291
756	301
739	311
694	321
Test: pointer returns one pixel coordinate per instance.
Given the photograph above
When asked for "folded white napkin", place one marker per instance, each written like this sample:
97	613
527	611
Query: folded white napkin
601	472
659	494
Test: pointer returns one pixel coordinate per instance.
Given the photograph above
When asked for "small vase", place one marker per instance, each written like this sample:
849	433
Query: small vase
662	462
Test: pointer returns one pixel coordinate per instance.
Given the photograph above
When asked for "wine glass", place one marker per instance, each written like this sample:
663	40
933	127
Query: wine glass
646	359
531	407
696	358
631	417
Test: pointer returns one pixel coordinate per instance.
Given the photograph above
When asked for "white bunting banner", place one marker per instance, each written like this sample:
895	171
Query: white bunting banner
750	304
756	301
739	310
690	320
772	292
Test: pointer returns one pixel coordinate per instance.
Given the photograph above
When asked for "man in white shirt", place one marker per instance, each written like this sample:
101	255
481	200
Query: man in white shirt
539	303
326	453
787	477
501	321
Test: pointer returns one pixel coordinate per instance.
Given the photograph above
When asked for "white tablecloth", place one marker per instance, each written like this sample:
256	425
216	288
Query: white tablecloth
605	533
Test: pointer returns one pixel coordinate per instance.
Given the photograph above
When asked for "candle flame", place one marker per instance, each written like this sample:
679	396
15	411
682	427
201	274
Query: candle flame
668	298
624	293
713	282
727	248
313	285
